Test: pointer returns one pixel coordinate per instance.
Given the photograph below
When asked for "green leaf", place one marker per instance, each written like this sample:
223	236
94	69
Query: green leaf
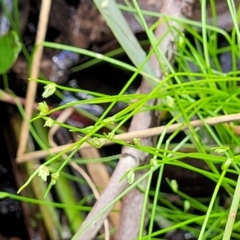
10	47
120	28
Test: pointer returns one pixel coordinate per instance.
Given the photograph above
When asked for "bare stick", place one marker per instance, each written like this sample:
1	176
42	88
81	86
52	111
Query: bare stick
62	118
130	218
132	157
32	85
138	134
133	202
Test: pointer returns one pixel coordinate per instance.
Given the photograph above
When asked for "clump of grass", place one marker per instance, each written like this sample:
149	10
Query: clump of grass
194	87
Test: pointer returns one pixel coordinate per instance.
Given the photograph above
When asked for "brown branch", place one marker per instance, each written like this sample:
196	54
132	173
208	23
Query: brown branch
138	134
62	118
132	204
32	85
132	157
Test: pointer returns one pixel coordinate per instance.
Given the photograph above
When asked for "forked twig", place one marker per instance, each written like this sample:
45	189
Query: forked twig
133	201
132	157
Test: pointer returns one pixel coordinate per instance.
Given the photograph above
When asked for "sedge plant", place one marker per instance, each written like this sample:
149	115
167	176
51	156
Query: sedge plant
196	86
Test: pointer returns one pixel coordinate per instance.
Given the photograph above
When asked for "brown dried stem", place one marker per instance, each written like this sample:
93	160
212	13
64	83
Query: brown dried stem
62	118
138	134
32	85
132	157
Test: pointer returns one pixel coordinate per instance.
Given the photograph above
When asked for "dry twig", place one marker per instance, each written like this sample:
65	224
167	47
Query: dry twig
62	118
138	134
132	157
32	85
132	203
